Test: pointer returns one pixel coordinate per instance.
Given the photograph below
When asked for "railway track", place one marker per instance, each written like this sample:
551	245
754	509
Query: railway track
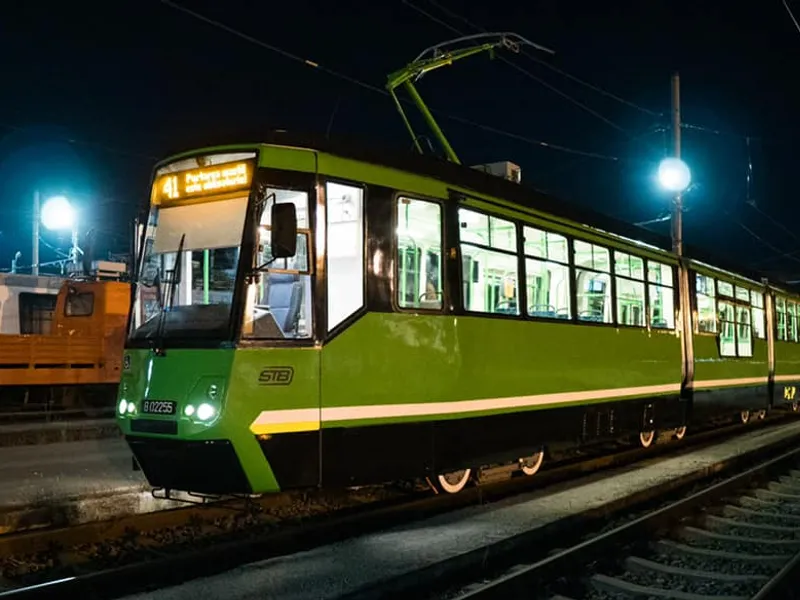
736	540
162	566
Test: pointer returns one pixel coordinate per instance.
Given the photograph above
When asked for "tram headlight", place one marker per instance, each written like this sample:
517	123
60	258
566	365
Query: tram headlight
189	410
123	406
206	412
131	408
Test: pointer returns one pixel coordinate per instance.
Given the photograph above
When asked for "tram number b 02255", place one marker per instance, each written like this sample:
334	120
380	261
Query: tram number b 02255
158	407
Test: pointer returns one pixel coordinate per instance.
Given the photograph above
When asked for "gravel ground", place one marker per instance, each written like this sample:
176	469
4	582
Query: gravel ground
720	565
135	546
692	586
757	507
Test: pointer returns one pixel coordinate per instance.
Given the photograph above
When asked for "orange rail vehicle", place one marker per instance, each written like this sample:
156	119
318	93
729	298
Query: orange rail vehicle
77	366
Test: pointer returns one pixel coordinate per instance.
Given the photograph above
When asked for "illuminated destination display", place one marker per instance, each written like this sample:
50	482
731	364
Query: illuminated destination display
207	181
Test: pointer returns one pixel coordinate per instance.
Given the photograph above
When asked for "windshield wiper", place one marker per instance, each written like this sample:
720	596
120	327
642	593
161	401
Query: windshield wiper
169	292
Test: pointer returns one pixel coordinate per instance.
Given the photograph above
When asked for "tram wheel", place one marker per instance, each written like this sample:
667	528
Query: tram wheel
680	433
646	438
530	465
455	481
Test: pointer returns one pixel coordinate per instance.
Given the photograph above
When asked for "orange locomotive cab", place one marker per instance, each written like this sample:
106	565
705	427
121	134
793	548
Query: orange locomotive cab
77	365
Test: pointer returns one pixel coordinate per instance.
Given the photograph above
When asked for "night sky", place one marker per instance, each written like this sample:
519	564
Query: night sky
93	93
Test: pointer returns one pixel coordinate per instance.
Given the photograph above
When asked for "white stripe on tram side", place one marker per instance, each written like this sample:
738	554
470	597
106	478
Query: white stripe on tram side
307	419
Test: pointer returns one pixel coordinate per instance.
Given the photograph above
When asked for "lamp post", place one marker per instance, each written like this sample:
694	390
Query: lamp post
674	174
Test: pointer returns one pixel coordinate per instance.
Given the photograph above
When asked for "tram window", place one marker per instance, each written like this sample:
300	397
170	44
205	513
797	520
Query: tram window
780	311
279	306
591	256
727	336
661	306
706	311
742	294
547	280
419	254
791	322
593	282
757	310
744	337
725	289
545	244
489	263
548	289
345	249
629	272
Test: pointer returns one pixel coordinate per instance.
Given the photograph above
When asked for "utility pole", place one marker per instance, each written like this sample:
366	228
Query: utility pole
677	204
36	218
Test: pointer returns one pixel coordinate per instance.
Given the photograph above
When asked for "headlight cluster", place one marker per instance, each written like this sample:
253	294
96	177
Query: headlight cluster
126	407
201	410
204	412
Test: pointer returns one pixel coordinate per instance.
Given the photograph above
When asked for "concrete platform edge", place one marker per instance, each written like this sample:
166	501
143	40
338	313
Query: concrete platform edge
78	511
58	432
420	583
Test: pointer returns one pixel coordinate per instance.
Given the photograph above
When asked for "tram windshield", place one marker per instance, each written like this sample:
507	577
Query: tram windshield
188	273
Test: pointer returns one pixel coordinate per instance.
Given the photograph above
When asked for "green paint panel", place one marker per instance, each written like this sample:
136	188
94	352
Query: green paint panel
185	377
709	365
414	358
290	159
787	358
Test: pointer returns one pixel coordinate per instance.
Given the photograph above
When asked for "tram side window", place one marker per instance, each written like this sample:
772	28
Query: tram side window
744	333
662	295
279	305
736	333
419	254
727	322
593	282
547	274
629	276
780	310
791	321
757	310
345	219
489	263
706	311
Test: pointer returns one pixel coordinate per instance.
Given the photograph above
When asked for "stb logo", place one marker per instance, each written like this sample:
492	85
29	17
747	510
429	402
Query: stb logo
276	376
126	362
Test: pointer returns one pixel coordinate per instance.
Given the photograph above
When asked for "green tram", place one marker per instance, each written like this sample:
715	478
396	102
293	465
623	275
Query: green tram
311	316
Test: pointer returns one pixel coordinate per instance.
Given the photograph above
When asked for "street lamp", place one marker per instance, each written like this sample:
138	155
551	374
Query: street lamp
674	175
58	214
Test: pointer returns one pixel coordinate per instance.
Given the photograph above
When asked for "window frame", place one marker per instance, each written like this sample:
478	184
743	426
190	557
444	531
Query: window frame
672	287
645	283
521	296
763	309
612	282
569	264
696	305
323	182
67	304
737	304
396	197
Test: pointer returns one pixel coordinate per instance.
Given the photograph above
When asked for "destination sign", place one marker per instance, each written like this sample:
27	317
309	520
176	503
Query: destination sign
206	181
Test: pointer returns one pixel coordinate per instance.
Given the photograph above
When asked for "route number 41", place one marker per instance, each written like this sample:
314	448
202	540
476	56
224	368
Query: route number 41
789	392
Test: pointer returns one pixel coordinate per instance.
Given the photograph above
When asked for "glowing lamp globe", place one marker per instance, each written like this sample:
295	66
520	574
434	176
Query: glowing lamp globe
674	175
57	213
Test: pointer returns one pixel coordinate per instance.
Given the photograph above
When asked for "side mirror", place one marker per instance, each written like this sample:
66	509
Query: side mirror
283	234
